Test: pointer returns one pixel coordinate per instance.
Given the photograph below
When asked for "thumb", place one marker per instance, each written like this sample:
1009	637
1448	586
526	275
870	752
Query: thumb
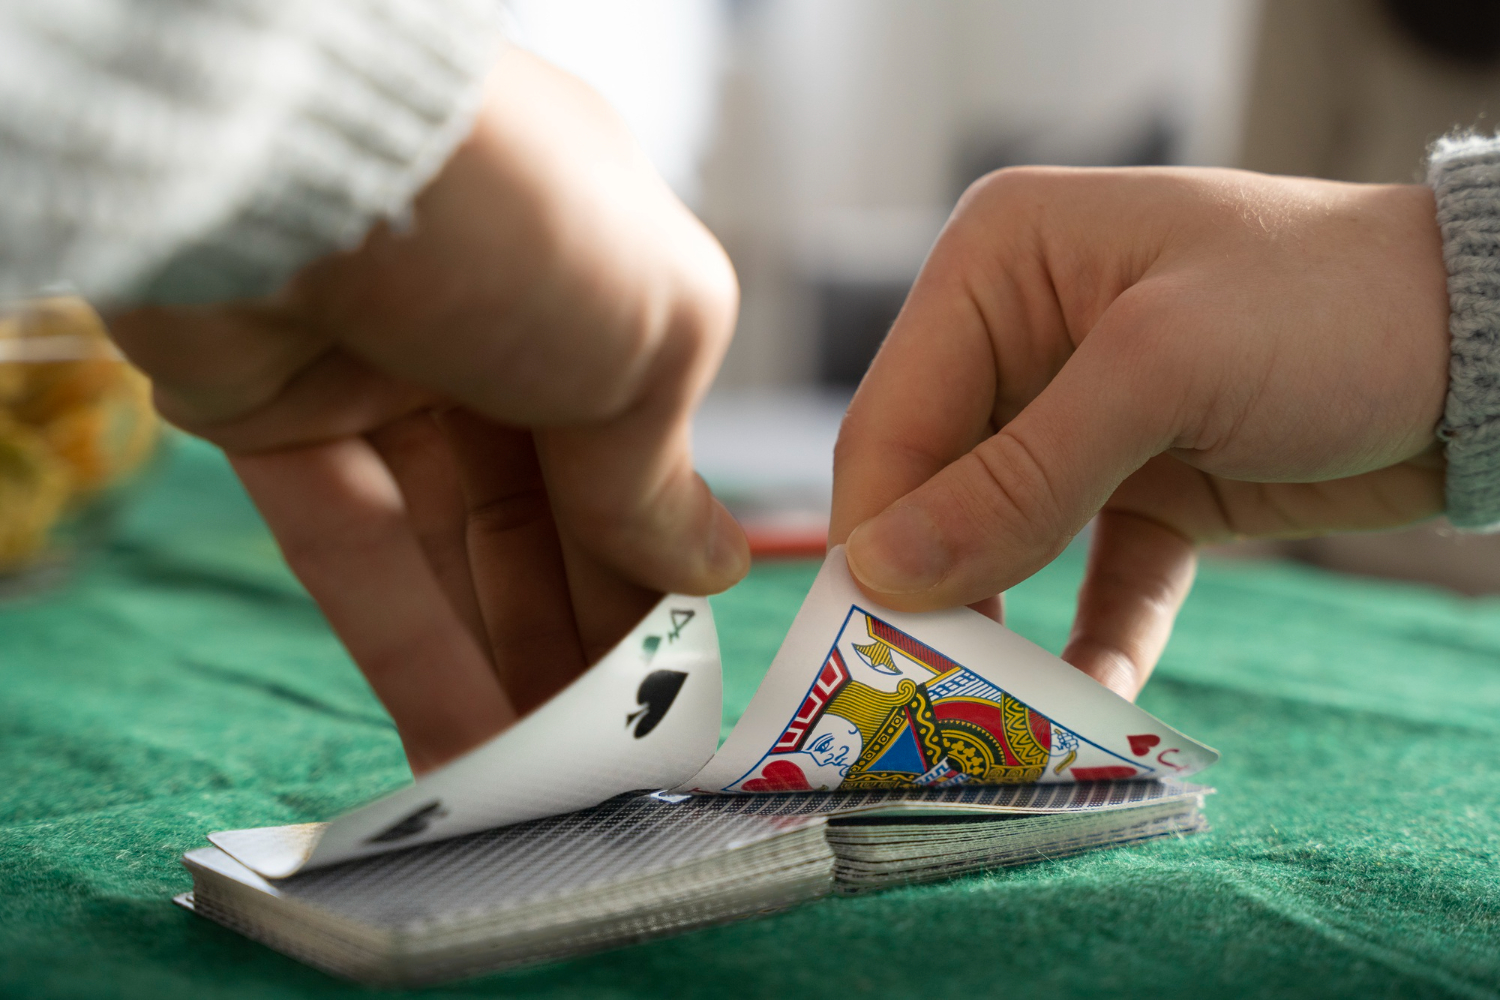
1008	507
626	492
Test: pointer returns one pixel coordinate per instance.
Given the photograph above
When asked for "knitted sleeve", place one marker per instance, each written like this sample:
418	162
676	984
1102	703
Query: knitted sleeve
193	150
1464	173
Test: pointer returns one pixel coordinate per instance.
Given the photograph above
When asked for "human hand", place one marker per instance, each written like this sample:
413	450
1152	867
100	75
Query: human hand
471	436
1192	356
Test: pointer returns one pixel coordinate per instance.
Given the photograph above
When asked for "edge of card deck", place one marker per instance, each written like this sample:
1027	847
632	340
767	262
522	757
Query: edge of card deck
934	745
547	889
647	865
647	715
876	855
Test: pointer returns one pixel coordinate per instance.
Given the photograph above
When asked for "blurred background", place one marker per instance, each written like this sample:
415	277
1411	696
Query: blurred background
825	141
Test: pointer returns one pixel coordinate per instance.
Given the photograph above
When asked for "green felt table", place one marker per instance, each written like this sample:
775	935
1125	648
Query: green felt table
182	682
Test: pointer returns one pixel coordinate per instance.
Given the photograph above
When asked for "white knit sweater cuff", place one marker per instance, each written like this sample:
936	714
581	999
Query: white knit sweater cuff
398	86
1464	173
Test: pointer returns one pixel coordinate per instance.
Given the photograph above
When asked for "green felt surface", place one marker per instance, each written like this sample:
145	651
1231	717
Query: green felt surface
183	683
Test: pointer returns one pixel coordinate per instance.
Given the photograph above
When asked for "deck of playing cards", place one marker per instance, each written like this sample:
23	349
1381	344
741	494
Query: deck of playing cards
881	748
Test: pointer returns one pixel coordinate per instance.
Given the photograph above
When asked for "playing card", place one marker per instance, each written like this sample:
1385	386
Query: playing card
642	865
874	855
645	716
860	697
629	869
954	800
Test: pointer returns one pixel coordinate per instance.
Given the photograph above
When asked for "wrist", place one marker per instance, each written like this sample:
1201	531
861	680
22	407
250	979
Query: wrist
383	94
547	275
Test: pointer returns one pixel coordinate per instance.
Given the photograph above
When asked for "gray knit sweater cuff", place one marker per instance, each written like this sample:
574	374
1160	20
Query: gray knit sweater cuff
399	83
1464	173
176	150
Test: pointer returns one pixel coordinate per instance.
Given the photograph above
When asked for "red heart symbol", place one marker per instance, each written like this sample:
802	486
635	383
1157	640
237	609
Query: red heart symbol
779	776
1140	745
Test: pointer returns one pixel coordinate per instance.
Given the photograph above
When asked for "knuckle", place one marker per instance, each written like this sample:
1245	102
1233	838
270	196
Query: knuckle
1011	188
1133	312
1148	344
703	318
1111	665
318	560
1135	590
511	512
848	446
524	644
715	288
600	378
856	435
1011	488
667	344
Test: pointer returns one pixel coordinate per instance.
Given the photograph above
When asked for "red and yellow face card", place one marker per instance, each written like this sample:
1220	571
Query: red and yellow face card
860	697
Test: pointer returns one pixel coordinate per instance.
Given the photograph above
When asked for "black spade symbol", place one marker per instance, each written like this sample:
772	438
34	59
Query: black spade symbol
656	694
411	825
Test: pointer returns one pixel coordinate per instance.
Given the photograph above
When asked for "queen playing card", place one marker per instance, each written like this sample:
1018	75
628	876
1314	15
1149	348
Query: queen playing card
861	697
894	748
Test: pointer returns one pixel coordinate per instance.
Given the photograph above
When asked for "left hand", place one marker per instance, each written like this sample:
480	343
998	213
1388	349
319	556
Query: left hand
470	438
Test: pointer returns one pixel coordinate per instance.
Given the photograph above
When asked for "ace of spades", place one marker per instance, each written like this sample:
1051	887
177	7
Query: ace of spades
858	697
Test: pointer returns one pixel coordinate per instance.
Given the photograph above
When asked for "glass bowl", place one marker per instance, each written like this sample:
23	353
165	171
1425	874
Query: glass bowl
76	426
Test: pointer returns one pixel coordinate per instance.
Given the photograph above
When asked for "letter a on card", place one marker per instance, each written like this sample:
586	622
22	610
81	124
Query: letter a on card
860	697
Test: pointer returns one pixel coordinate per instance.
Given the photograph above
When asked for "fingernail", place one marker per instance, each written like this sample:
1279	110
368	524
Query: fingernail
899	552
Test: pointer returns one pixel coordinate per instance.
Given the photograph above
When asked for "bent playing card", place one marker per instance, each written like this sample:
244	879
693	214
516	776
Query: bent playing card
862	697
922	746
645	716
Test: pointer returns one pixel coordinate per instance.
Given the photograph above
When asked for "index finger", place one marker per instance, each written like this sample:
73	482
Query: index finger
933	390
1006	294
625	490
342	525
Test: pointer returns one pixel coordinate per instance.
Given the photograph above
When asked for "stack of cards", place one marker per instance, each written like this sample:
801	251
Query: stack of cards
586	880
884	850
641	866
881	748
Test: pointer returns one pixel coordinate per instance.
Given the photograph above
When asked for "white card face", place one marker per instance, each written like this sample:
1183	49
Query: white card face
860	697
645	716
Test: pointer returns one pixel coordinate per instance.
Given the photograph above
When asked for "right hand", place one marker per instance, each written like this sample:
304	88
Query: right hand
1190	356
471	436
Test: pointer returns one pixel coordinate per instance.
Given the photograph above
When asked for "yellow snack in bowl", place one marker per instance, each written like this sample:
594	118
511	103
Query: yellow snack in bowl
106	434
35	485
75	418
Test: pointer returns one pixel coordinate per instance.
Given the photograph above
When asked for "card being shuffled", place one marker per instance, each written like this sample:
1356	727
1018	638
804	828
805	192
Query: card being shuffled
858	698
900	748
